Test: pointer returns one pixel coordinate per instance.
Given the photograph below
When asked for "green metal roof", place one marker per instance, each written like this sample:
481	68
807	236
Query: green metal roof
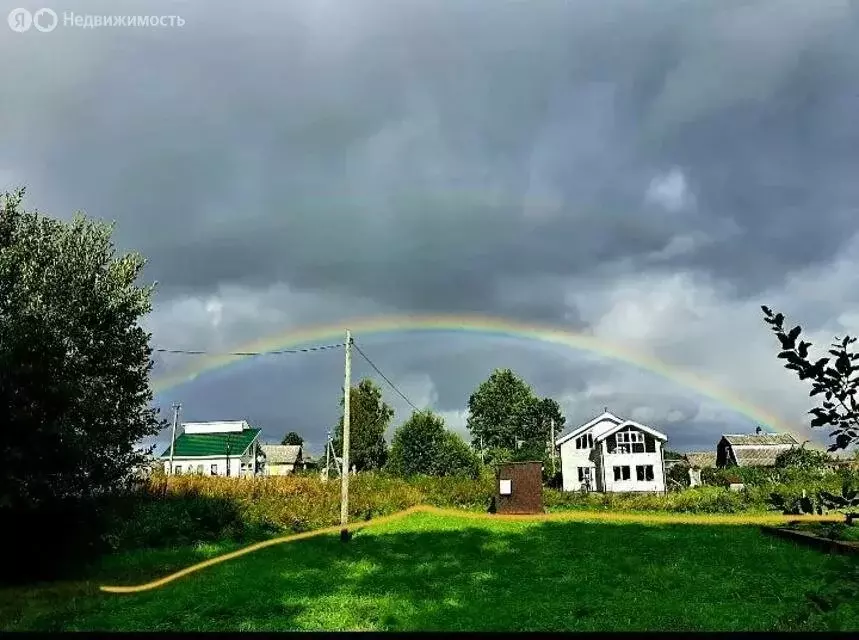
190	445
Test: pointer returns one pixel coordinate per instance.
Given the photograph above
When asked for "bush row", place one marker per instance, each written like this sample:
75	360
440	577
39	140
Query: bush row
186	509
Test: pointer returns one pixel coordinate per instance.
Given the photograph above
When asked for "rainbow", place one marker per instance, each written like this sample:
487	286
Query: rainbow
484	326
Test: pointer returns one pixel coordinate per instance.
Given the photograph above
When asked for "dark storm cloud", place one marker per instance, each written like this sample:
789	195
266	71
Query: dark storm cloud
419	153
373	157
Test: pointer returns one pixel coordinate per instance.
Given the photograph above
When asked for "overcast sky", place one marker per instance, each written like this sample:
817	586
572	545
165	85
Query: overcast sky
649	173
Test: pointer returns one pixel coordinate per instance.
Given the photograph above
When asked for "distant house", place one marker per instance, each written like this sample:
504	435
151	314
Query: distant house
215	449
700	459
752	450
609	453
281	459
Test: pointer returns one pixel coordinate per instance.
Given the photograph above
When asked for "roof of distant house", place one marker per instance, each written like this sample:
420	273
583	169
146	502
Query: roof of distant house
760	440
701	459
757	456
281	453
203	445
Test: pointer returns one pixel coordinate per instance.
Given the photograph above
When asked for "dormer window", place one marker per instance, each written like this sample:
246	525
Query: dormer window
630	442
585	442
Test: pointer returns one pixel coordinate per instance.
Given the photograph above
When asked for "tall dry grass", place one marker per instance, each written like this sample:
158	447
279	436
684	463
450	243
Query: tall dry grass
186	509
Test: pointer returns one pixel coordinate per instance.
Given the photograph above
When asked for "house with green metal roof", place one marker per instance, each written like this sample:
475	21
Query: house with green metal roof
215	449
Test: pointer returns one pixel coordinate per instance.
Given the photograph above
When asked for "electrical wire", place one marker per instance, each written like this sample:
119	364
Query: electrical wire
277	352
324	347
384	377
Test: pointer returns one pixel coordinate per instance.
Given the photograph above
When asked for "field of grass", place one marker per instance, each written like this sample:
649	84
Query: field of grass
442	572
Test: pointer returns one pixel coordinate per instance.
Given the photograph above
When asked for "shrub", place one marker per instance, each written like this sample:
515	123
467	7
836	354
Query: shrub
678	476
422	446
802	458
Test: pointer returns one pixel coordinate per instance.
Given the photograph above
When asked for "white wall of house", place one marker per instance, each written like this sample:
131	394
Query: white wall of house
279	469
571	460
628	463
206	465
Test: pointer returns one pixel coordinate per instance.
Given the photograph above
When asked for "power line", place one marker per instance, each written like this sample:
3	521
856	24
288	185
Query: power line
384	377
277	352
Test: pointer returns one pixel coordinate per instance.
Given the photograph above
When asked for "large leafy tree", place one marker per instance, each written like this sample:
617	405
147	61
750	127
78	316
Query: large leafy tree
74	362
504	411
74	369
369	417
423	446
834	378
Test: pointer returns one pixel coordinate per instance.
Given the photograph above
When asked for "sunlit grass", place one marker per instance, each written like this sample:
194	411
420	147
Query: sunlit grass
440	572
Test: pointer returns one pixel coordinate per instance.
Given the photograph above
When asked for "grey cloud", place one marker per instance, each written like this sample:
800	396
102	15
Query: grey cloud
403	169
435	157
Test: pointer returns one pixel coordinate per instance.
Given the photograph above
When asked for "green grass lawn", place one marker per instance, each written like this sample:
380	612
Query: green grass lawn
428	572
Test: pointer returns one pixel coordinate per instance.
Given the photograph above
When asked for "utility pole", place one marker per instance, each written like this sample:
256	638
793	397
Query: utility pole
229	450
327	455
552	445
176	407
344	475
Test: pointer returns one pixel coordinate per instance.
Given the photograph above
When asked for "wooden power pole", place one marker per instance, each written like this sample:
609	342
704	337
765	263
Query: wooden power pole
176	407
344	474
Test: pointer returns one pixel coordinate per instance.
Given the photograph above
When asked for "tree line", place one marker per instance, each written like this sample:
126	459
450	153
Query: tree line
506	421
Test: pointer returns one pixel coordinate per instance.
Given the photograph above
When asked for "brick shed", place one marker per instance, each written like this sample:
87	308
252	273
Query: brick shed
519	488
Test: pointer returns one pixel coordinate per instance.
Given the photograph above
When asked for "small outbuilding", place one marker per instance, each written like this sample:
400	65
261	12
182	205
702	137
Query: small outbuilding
752	450
281	459
519	488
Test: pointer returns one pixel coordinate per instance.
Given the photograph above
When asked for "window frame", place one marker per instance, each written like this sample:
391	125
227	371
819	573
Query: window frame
622	473
630	437
646	474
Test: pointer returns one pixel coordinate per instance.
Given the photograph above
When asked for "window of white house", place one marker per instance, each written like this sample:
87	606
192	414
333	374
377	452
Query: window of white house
584	472
585	442
644	473
621	473
200	469
178	469
630	442
213	470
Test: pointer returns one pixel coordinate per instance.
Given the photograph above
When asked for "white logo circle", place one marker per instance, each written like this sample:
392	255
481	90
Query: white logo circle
51	21
20	20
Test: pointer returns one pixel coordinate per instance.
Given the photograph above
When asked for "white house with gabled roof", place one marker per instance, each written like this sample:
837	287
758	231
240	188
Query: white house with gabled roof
611	454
